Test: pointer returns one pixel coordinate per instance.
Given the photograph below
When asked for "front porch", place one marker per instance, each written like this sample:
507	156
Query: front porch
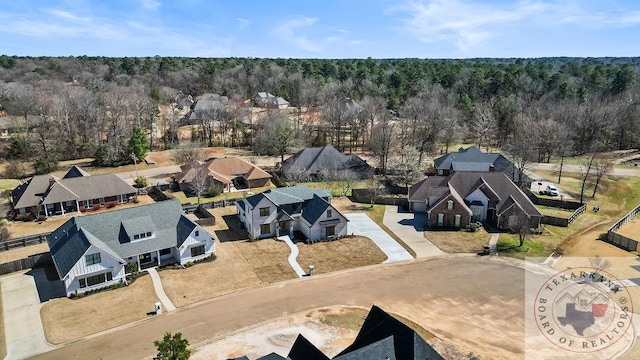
157	258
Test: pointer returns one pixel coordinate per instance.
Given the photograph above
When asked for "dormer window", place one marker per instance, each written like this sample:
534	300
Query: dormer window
142	236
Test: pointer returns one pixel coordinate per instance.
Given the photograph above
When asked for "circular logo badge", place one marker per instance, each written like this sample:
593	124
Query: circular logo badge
583	310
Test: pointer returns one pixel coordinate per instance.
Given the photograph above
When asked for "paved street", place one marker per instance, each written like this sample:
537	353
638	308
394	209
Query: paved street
474	302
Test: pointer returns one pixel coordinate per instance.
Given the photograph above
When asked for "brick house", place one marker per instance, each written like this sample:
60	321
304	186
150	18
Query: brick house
456	200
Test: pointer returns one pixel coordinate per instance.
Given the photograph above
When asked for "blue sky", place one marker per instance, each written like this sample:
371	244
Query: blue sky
321	28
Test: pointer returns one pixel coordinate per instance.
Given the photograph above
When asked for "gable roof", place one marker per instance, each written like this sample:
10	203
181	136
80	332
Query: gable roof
315	160
314	209
381	349
303	349
47	189
470	159
223	170
110	228
495	185
379	326
75	171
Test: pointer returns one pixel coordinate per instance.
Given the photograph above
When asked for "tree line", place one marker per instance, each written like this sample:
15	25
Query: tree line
76	107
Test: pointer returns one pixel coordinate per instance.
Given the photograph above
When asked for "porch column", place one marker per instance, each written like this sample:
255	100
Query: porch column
78	206
46	213
61	209
138	260
158	253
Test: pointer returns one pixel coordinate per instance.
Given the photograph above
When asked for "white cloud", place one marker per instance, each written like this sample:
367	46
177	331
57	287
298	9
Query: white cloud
469	24
243	23
150	4
291	31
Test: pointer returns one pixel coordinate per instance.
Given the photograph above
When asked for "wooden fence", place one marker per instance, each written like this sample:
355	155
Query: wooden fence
365	196
579	208
27	263
205	218
620	240
23	241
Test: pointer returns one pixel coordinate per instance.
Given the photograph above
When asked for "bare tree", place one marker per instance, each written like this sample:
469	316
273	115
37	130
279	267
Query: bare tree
297	174
186	153
602	166
373	107
200	182
483	124
520	148
276	135
383	140
586	170
405	167
376	188
345	179
520	223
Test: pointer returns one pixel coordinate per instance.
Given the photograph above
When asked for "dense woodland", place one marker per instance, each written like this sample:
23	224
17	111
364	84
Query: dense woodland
104	108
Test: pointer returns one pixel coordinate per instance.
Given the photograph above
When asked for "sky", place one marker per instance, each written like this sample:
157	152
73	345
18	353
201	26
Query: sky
321	28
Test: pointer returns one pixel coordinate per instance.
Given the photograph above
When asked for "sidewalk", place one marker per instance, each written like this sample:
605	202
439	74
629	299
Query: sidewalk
403	225
293	255
157	286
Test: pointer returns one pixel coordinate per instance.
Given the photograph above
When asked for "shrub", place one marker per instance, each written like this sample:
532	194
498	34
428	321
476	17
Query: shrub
140	182
473	227
42	218
131	268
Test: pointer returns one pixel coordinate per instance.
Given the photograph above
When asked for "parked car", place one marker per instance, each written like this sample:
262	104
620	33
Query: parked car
550	190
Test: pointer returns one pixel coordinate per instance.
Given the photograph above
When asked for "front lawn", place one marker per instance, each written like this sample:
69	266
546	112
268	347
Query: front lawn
460	241
534	246
346	253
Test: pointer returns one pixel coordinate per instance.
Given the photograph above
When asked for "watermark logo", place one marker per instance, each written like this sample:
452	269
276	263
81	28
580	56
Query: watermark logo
583	310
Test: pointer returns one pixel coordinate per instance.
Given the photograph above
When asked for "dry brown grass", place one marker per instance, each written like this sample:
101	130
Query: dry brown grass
66	320
229	272
22	252
268	258
345	253
460	241
631	229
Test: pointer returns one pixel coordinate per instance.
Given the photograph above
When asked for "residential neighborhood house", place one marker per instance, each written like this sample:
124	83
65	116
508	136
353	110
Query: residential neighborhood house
381	337
282	211
92	251
472	159
316	162
8	126
203	107
267	100
77	191
228	174
456	200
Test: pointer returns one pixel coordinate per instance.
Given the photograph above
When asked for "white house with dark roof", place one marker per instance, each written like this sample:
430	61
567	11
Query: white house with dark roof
77	191
92	251
282	211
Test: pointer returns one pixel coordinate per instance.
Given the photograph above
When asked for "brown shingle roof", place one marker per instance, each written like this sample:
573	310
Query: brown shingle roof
224	170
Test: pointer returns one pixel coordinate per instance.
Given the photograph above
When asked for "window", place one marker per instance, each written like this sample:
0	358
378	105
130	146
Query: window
457	220
197	250
101	202
95	280
148	233
329	213
92	259
264	211
440	219
265	229
450	205
88	203
136	237
197	232
165	251
331	230
122	199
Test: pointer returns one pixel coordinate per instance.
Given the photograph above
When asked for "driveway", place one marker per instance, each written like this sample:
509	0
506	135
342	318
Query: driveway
361	224
411	231
22	323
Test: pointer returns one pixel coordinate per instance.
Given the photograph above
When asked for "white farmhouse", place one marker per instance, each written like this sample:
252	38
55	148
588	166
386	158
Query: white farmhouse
92	251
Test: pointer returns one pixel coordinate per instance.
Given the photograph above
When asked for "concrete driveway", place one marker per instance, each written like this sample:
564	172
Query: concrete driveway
22	323
361	224
410	230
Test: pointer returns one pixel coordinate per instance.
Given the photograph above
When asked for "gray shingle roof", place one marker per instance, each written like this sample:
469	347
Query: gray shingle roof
316	160
470	155
171	229
289	195
75	171
39	191
314	209
381	349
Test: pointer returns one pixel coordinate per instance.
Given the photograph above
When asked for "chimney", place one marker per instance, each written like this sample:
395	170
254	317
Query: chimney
51	182
492	168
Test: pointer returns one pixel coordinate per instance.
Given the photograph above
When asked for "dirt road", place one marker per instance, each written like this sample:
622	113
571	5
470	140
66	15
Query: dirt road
632	171
474	303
